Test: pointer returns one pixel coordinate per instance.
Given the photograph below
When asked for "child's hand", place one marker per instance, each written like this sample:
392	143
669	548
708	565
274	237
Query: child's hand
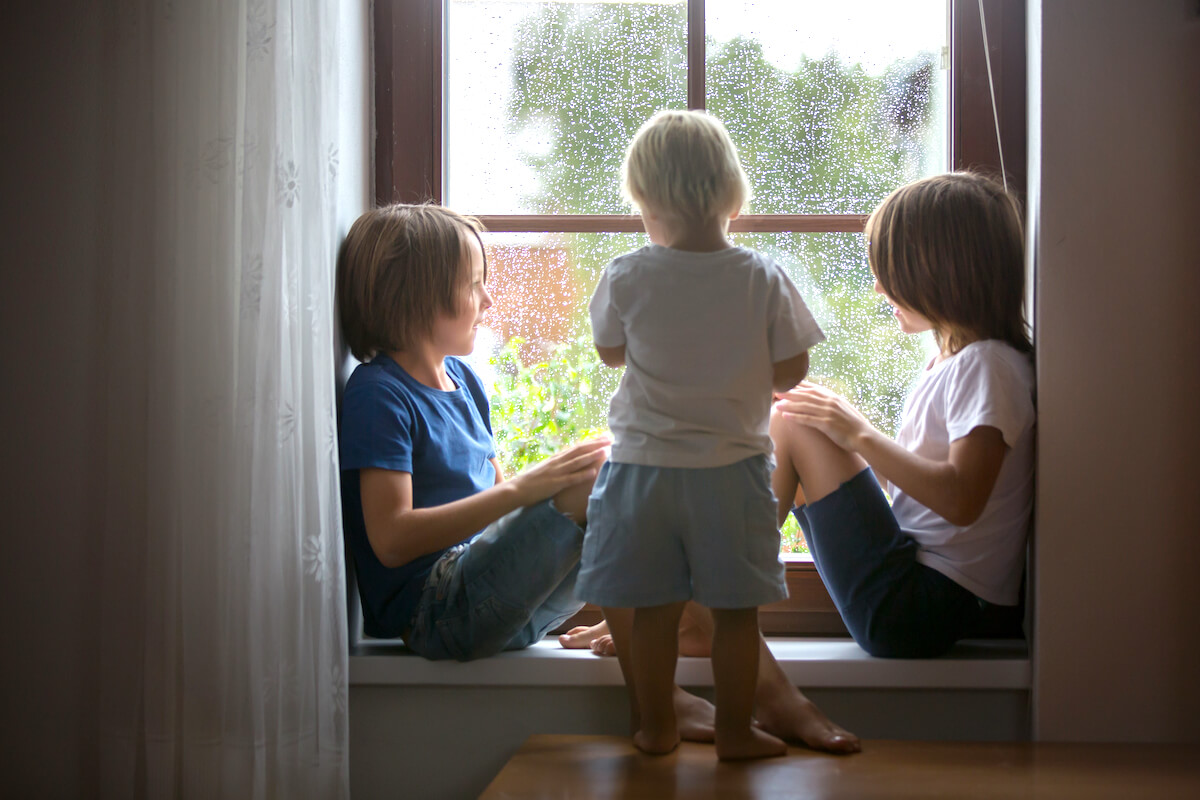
567	467
825	410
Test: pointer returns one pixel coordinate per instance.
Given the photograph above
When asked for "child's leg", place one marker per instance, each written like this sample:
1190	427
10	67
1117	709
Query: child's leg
505	589
808	465
783	710
735	675
573	501
892	606
693	715
779	707
654	651
619	623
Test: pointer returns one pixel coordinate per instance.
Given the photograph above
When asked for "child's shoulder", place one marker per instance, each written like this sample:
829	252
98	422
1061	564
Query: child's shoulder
997	350
367	373
374	377
374	392
635	261
996	357
657	256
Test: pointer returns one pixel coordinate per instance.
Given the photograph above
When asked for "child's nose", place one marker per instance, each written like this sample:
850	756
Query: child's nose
878	287
487	298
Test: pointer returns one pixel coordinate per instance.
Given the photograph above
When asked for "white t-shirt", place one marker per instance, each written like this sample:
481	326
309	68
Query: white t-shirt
701	332
986	383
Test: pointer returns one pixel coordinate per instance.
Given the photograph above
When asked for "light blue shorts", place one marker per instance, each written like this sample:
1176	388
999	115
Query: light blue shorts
659	535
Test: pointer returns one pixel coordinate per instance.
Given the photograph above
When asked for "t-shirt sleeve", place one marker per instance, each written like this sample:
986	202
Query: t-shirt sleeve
377	429
791	328
607	330
991	392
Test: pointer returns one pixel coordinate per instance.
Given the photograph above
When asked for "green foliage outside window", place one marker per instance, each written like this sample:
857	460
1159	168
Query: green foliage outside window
537	409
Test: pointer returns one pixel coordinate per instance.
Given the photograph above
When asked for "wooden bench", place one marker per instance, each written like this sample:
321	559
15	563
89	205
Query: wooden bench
570	766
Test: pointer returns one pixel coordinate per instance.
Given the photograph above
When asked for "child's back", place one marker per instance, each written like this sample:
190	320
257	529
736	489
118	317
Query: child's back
701	333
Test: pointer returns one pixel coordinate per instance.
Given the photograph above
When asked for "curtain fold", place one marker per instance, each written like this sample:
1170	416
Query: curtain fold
224	670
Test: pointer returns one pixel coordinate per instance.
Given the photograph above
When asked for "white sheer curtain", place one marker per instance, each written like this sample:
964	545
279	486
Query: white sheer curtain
221	574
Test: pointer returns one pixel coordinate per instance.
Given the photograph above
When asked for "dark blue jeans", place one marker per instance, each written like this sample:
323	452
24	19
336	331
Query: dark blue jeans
893	606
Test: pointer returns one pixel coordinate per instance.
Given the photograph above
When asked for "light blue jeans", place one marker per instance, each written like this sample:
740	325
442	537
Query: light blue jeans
502	590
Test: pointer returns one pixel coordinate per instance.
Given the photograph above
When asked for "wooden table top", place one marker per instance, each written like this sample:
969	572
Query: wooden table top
569	766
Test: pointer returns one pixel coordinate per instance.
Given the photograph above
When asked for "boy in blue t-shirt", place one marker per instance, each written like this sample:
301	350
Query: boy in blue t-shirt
459	561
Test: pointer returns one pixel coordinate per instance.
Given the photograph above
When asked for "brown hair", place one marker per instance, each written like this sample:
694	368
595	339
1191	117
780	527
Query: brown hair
399	267
951	248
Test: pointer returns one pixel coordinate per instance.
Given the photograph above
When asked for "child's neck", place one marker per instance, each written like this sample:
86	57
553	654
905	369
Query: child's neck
425	366
693	236
944	352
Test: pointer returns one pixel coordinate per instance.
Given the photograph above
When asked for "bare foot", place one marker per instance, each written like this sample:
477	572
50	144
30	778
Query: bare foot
795	718
604	645
753	744
694	716
581	637
594	637
695	637
658	744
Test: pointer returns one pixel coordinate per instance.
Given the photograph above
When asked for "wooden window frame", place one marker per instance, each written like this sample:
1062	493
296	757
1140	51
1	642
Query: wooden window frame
408	47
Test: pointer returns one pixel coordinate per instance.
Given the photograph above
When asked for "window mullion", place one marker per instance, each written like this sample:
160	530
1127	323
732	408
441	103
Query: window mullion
695	54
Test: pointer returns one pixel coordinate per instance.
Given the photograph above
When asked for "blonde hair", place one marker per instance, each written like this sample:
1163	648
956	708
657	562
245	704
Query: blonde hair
683	164
399	267
951	248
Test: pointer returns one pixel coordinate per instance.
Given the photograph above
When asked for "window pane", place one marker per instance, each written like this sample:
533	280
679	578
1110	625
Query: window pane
543	97
534	350
831	105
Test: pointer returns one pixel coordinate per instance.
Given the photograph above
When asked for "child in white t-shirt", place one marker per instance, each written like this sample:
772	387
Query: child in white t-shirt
683	509
911	579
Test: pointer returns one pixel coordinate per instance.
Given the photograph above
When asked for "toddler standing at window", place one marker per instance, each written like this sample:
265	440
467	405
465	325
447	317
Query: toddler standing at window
683	510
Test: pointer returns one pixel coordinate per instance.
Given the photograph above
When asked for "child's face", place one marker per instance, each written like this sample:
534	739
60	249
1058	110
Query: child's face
909	320
454	334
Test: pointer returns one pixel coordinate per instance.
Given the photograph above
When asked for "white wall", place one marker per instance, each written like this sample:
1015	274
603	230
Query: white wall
1117	155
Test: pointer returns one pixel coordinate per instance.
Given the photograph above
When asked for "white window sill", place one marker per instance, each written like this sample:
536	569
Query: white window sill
811	663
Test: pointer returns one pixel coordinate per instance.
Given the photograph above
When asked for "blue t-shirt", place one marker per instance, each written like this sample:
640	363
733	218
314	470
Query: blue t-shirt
443	439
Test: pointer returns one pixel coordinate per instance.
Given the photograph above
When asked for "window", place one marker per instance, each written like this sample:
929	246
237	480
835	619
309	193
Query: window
519	113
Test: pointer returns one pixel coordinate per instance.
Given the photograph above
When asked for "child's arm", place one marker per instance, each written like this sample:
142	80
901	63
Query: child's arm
956	489
398	533
606	322
789	372
612	356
